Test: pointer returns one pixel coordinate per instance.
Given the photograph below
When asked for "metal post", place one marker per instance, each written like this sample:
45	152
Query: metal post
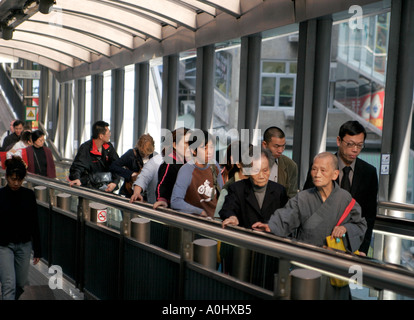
205	87
98	212
242	259
205	252
140	229
305	284
169	103
41	193
117	106
141	98
249	84
312	93
97	97
63	201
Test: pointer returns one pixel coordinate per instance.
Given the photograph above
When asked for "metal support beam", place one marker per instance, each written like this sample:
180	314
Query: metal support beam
169	103
65	119
117	106
97	97
204	103
249	89
312	93
80	89
43	95
141	98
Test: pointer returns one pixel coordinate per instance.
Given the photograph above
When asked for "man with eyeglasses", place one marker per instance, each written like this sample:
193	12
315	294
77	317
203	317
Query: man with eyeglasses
285	170
358	177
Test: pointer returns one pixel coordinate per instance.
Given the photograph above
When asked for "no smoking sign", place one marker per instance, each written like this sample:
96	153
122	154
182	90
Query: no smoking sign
101	216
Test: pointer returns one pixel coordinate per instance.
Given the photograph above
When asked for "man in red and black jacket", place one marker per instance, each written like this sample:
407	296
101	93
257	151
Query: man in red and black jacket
90	167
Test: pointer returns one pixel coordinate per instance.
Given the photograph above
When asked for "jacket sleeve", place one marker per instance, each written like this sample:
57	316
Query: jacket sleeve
231	205
147	173
293	179
80	164
285	220
123	165
356	227
113	156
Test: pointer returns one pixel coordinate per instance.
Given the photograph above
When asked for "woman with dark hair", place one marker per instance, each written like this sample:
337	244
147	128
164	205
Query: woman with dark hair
168	170
39	157
19	230
232	170
199	181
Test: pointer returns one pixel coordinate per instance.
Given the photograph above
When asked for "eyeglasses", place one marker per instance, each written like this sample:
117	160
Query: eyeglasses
352	145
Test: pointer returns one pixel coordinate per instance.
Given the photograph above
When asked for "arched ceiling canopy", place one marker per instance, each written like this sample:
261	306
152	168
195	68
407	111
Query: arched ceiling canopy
76	38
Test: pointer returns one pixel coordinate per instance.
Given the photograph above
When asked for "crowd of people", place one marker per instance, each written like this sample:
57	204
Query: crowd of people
257	188
186	177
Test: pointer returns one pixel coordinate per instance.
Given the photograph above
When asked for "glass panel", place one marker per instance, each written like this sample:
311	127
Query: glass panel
187	89
226	94
268	91
358	71
278	81
286	92
293	67
154	101
274	67
129	137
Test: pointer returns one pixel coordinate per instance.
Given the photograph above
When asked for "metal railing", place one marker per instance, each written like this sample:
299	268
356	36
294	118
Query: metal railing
91	243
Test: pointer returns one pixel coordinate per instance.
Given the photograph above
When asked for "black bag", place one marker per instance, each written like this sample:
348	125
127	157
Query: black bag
99	180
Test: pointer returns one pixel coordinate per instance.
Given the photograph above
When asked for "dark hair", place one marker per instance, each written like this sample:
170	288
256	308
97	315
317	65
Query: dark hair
26	136
17	123
15	166
234	156
273	132
351	128
176	134
198	138
37	134
99	127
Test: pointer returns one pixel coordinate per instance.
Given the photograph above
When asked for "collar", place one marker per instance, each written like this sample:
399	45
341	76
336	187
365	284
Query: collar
342	165
95	150
176	157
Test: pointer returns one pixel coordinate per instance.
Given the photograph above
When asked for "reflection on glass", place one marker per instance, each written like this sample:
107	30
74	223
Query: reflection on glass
362	59
274	67
286	92
268	91
278	81
187	89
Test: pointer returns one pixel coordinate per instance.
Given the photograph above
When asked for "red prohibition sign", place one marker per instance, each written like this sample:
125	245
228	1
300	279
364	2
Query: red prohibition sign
102	216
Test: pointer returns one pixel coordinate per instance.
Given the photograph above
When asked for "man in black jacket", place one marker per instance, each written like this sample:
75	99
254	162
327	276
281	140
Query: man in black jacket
255	198
14	137
361	181
91	165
